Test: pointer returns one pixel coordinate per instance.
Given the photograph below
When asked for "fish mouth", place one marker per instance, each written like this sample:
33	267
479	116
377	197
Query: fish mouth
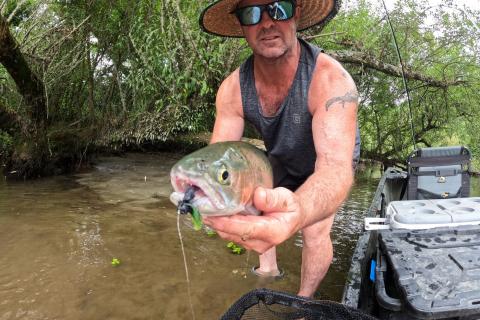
207	200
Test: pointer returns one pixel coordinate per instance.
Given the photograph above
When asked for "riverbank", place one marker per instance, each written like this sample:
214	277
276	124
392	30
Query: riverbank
74	155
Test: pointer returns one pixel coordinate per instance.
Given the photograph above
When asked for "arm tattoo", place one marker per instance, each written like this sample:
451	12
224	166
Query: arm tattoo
348	97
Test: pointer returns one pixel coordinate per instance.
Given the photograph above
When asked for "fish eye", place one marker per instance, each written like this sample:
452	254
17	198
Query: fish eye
223	175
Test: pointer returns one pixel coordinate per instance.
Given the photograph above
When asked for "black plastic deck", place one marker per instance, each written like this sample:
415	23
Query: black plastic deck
437	271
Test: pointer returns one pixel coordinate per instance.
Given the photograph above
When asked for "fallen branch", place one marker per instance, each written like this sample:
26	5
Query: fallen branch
308	38
365	60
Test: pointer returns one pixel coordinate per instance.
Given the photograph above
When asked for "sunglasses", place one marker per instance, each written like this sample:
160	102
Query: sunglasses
277	10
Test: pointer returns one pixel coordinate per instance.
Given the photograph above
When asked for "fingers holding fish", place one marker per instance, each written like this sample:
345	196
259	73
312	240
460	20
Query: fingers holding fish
275	200
256	236
238	225
269	229
282	204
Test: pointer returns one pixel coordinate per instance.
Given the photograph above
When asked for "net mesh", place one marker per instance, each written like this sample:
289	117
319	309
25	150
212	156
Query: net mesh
265	304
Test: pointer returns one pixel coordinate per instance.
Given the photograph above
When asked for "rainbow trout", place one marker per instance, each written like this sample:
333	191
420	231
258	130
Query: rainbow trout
221	178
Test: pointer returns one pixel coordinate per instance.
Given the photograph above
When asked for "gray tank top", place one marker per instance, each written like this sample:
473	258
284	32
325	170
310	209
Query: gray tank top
288	134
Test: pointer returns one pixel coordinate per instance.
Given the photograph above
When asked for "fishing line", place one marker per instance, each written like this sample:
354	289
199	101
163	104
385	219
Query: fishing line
185	264
410	114
247	268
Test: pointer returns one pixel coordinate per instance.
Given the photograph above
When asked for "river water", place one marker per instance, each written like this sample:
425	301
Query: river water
58	237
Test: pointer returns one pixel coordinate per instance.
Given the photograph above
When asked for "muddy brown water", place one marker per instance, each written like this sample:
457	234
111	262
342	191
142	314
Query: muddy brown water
58	237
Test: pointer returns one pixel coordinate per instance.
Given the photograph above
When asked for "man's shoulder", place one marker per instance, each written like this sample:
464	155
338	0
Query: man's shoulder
231	84
229	94
329	80
328	69
326	63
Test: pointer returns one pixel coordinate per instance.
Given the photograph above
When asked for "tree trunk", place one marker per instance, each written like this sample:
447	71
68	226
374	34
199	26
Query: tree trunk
9	121
30	158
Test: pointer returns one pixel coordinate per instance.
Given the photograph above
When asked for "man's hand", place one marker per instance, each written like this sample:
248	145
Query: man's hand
281	218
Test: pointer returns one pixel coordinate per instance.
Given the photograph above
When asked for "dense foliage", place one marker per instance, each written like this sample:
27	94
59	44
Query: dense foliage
439	43
122	73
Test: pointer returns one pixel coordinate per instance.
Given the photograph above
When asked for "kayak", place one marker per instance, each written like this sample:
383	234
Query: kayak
419	255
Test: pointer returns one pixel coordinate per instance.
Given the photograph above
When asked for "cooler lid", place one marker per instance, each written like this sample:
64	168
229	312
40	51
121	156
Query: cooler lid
437	271
424	214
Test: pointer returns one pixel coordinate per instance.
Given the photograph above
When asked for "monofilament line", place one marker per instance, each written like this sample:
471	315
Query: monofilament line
185	264
246	262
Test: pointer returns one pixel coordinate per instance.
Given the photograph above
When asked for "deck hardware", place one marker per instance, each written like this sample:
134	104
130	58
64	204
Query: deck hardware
376	224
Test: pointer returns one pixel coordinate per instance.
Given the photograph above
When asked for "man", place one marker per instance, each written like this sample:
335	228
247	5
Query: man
304	105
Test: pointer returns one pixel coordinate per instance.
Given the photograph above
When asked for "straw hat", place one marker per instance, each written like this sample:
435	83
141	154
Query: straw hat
217	18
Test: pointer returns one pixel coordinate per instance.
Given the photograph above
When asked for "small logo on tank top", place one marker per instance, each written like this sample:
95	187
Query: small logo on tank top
296	118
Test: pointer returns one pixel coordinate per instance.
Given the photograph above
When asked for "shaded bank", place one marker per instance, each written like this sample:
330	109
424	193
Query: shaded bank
74	149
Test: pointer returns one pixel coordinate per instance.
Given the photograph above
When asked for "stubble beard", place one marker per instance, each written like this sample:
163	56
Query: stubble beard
278	48
274	50
272	53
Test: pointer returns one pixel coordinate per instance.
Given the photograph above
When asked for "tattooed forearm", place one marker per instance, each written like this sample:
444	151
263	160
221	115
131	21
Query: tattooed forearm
348	97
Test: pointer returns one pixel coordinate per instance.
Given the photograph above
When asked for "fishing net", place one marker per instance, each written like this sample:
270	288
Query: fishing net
265	304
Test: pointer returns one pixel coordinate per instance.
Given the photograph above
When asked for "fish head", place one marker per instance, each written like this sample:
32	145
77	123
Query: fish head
222	176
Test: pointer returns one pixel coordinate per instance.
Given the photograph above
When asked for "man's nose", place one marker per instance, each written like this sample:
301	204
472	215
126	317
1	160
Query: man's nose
266	21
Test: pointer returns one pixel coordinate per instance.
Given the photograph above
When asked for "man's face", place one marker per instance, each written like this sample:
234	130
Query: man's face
270	38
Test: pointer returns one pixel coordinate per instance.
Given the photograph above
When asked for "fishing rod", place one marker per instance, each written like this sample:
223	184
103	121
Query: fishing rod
410	113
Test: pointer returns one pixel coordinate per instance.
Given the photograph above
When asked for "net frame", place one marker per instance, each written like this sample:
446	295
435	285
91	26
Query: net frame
270	304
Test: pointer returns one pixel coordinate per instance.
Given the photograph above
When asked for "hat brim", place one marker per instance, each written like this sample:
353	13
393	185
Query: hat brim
218	19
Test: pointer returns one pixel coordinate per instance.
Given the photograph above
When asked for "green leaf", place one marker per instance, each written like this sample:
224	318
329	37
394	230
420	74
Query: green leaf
235	248
115	262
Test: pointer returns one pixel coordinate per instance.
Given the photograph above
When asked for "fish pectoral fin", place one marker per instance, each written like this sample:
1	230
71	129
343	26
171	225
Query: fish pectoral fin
250	209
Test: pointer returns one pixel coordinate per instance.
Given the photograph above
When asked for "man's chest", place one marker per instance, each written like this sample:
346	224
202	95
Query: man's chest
271	98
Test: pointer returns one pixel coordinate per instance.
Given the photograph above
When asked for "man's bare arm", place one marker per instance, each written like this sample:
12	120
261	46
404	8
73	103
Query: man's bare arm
229	121
351	96
333	104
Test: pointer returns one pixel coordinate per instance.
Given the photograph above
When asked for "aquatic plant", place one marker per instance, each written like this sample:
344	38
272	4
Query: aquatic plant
235	248
116	262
